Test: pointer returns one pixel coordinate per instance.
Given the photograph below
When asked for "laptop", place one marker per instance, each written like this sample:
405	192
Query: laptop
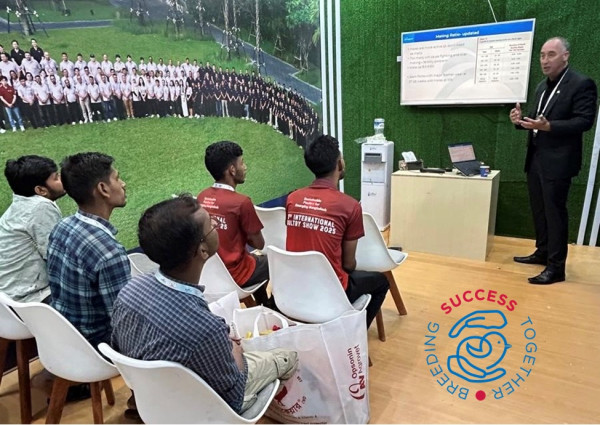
462	156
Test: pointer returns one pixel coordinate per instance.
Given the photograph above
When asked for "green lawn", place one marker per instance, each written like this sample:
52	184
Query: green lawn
113	40
312	76
159	157
81	10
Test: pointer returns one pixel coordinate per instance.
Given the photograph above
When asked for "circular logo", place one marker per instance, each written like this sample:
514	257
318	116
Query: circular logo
480	353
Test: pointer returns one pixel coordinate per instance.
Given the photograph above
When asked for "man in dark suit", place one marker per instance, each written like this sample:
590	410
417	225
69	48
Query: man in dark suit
564	107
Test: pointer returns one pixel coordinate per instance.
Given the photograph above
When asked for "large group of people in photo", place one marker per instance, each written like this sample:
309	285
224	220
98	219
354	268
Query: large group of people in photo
38	91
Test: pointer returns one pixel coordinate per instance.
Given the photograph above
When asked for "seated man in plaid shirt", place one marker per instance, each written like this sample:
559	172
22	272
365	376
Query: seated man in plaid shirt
87	267
164	316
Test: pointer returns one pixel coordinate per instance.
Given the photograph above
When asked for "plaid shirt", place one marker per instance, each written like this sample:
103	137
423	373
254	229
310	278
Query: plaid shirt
87	268
154	322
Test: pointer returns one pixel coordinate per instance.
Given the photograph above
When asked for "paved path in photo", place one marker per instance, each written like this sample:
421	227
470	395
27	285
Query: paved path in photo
274	67
15	27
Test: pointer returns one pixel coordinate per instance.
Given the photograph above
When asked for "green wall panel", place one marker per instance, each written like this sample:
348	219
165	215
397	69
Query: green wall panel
371	89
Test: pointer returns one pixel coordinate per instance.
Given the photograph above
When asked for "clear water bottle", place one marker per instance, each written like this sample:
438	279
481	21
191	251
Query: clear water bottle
378	126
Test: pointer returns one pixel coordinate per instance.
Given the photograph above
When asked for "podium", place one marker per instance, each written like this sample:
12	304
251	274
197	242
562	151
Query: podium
444	214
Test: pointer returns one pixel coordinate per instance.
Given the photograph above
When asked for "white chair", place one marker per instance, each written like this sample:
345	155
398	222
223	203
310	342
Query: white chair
141	264
218	282
306	288
13	329
65	353
167	392
373	255
273	220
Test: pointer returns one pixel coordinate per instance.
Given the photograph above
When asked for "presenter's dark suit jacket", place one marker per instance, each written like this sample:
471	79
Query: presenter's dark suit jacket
571	112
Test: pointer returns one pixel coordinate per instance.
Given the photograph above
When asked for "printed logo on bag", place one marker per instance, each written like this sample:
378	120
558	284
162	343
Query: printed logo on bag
469	354
358	389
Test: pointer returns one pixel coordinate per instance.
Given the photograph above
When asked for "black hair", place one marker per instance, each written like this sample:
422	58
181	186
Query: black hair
219	156
3	78
168	232
321	155
64	53
27	172
80	173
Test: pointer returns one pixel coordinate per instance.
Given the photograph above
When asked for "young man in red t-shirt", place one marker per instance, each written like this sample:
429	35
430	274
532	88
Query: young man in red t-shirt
239	224
339	224
8	96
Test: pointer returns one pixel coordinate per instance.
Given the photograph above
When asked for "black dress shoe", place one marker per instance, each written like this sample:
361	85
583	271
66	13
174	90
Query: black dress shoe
532	259
547	277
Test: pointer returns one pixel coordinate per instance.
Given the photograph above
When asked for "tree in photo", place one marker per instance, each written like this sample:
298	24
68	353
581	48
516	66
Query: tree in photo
303	20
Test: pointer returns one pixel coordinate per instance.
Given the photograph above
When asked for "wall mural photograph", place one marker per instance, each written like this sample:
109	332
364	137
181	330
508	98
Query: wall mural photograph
153	82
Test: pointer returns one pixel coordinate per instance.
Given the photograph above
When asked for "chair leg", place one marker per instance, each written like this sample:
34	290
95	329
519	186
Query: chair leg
249	301
396	293
57	400
380	326
108	390
96	402
24	380
4	343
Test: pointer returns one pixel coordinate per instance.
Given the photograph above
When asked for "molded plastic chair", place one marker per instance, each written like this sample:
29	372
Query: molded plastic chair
275	230
13	329
65	353
306	288
373	255
167	392
141	264
218	282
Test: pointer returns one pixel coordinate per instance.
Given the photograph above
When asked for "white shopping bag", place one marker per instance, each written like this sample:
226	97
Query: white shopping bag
225	306
251	322
331	383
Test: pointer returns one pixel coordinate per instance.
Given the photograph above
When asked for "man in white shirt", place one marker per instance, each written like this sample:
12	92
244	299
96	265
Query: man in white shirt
6	65
117	102
83	98
106	65
28	105
80	63
106	95
26	225
58	99
93	90
30	65
73	111
130	65
65	63
48	64
118	65
93	65
42	94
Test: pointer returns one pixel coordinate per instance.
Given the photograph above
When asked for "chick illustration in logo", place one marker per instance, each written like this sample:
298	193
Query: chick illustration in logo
477	357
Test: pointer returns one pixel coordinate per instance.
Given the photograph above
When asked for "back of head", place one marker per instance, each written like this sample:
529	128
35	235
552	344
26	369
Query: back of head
219	156
27	172
321	155
80	173
168	232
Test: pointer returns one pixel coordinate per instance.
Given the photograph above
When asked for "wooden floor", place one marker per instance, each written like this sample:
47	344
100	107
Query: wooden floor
563	384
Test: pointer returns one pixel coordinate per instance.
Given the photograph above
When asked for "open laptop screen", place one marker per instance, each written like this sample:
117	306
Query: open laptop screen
461	152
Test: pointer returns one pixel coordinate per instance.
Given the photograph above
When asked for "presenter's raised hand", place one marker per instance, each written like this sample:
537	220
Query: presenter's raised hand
516	115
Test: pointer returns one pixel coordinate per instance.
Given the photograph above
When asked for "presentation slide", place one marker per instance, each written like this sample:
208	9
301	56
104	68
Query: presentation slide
476	64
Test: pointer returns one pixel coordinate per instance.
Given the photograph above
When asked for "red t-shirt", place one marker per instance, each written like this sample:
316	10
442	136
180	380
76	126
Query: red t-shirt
7	93
318	218
237	219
